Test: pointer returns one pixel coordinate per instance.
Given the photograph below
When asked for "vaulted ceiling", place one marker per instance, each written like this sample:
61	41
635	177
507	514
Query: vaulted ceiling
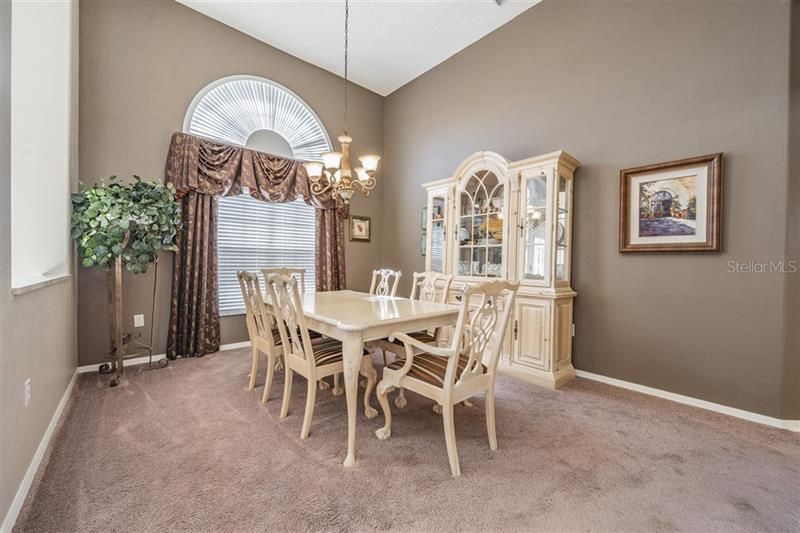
391	42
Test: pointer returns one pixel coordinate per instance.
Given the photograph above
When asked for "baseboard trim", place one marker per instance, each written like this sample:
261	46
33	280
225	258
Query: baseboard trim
142	360
791	425
30	474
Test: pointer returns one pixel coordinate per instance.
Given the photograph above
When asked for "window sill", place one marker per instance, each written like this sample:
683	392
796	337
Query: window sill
38	283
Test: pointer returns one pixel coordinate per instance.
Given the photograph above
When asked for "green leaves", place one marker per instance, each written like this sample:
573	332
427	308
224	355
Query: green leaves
105	213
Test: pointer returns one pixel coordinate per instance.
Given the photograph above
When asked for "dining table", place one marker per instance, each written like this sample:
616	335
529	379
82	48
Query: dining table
355	318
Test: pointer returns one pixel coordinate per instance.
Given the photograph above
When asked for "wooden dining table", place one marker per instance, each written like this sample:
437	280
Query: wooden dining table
355	318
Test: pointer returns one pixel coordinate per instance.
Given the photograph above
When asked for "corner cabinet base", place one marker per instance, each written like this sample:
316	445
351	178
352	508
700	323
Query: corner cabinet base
537	377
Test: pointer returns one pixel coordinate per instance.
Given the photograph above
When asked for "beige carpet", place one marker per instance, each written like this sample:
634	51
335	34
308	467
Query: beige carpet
187	448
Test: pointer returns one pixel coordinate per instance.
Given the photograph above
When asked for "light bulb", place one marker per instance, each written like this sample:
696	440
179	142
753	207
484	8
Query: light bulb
370	162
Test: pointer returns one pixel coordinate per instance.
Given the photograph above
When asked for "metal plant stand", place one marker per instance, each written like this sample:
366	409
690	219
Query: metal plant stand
126	345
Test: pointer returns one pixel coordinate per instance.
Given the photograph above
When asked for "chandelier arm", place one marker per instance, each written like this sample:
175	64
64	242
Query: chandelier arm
318	187
366	185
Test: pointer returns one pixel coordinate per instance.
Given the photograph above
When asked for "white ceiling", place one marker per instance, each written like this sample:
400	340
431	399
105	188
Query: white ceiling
391	41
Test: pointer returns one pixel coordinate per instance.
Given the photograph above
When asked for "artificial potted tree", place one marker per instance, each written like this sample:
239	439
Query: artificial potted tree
119	224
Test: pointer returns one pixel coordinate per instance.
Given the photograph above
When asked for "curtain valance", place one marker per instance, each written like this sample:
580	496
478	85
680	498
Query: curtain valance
218	169
204	170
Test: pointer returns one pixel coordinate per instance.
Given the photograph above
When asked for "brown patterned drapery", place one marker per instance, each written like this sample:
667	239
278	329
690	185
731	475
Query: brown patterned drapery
204	170
330	250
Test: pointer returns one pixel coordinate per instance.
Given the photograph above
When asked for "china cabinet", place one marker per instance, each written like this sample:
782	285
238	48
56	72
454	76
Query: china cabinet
512	220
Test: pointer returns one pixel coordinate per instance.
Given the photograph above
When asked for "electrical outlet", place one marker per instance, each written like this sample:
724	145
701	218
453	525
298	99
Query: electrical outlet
573	330
138	321
27	392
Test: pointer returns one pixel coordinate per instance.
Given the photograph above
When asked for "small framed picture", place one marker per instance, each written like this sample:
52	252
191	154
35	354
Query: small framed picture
359	228
672	207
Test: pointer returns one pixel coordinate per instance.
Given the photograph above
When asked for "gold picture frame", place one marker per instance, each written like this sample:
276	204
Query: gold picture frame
360	228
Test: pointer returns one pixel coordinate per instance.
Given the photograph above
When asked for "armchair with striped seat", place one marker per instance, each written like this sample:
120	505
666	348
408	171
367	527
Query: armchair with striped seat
427	286
451	374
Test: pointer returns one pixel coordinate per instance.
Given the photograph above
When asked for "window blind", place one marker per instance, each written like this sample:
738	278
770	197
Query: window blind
252	235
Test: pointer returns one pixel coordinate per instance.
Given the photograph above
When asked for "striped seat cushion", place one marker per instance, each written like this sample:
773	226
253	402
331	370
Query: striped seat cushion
430	368
328	351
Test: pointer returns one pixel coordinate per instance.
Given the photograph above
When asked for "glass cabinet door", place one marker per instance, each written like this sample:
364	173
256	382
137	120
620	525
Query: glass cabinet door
534	222
563	228
437	231
479	240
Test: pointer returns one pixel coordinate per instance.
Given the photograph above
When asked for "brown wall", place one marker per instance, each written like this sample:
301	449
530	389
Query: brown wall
141	65
791	367
621	84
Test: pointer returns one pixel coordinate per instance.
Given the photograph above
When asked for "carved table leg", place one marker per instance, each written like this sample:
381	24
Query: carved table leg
352	349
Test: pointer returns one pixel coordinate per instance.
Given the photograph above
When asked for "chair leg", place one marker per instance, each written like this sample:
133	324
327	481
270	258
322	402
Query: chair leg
368	370
324	385
384	388
270	375
401	401
490	419
310	400
450	439
253	367
337	388
287	391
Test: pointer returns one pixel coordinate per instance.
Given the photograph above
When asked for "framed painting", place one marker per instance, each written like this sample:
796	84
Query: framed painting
360	228
672	207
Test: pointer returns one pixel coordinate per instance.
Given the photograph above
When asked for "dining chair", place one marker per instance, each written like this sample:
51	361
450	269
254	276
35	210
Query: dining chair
426	286
262	330
300	275
468	366
312	360
384	282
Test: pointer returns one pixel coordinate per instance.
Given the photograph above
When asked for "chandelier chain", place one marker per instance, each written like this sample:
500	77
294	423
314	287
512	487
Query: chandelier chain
346	25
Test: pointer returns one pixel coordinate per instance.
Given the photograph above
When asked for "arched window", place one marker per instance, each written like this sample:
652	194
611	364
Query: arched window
262	115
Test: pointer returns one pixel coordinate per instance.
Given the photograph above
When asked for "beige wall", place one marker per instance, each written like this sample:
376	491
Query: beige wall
37	329
141	65
621	84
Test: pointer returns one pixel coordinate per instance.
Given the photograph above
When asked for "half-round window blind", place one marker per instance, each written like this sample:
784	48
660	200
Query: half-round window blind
260	114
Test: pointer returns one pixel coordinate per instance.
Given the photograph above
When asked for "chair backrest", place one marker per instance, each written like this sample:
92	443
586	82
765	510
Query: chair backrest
288	307
383	283
298	273
430	286
258	319
480	329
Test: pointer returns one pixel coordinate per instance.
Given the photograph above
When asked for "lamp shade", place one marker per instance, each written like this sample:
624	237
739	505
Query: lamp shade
331	160
313	169
370	162
361	173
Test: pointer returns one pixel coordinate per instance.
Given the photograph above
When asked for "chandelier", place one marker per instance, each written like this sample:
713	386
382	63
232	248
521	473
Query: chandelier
334	172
